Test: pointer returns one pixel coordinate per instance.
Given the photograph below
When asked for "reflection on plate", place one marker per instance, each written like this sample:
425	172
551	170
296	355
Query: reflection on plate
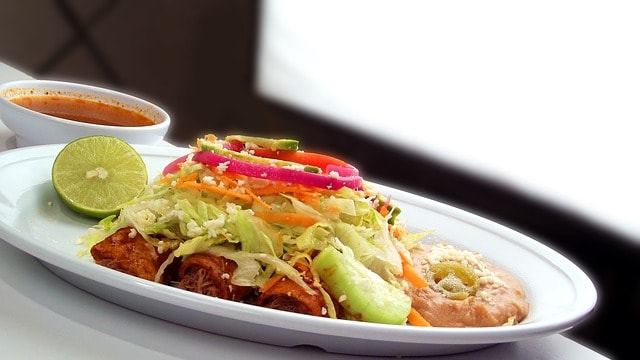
33	219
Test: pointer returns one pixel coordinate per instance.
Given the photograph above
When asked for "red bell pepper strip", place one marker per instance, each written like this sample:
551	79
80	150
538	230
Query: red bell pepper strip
234	145
307	158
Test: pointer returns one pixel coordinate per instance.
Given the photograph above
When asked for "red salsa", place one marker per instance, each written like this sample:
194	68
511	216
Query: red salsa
83	110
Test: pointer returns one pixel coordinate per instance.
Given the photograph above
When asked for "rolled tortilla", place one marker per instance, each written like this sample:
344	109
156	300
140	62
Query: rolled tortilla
211	275
282	293
128	252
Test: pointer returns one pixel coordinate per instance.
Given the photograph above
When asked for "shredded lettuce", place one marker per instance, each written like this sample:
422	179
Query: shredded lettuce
188	221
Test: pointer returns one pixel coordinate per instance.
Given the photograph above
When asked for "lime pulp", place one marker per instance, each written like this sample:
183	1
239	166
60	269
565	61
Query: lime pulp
96	175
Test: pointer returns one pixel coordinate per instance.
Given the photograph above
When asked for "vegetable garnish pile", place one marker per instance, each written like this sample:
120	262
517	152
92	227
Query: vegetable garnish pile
258	221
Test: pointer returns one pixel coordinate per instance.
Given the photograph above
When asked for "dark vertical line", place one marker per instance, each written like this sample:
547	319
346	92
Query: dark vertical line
255	23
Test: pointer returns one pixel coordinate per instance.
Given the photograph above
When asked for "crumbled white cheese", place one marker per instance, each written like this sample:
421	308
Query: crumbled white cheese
215	226
193	229
510	321
297	167
99	172
232	209
132	233
209	180
222	167
444	252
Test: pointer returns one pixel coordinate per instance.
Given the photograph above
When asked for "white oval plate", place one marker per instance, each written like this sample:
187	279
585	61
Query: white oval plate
33	219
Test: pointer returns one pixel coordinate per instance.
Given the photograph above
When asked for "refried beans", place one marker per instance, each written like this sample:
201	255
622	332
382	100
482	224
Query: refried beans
498	298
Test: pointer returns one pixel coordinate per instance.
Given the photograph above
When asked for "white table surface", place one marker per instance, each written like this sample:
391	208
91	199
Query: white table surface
44	317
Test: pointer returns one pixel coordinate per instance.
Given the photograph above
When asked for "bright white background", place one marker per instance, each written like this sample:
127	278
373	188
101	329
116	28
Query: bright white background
543	96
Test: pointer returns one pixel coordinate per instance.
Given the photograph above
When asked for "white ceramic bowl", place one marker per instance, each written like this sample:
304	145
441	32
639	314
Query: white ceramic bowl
36	128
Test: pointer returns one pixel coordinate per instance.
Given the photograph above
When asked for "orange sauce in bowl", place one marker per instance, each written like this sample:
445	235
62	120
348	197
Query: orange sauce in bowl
83	110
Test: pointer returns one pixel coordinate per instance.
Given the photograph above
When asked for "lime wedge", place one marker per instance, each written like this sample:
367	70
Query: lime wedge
96	175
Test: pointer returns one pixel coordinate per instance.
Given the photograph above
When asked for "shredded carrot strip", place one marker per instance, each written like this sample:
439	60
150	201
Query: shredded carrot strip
414	318
213	189
232	183
397	233
384	210
229	182
257	199
228	175
310	197
410	273
284	188
269	283
307	194
190	177
287	218
185	178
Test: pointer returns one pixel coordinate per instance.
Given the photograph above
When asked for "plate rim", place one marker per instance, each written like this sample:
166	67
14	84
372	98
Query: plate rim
347	328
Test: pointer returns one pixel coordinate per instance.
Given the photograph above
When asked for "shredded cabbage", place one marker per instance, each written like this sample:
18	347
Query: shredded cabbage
200	209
